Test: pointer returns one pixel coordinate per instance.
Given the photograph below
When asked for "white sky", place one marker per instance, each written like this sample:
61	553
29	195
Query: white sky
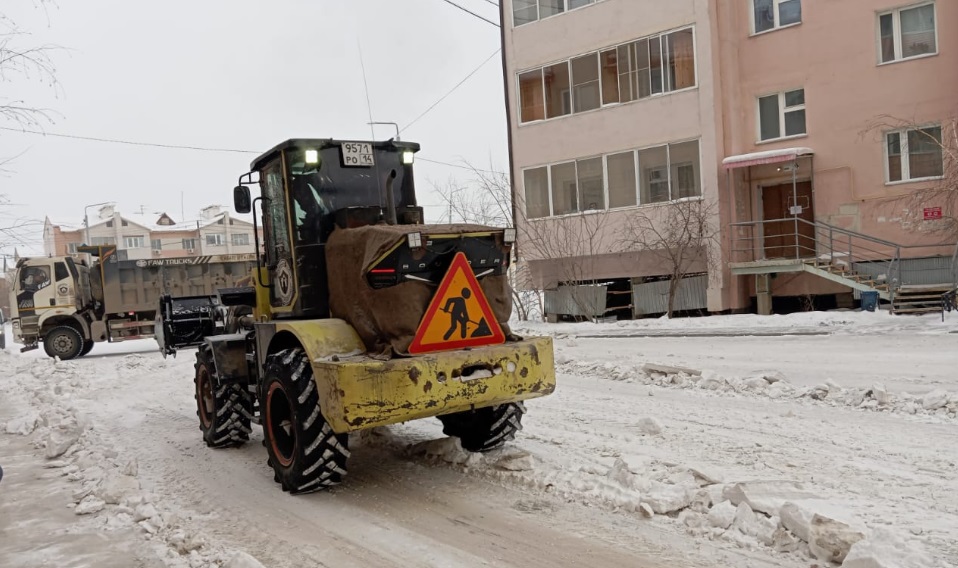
238	74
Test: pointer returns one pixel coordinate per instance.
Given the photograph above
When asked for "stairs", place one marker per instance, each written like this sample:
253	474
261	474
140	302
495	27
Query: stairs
840	272
833	253
919	299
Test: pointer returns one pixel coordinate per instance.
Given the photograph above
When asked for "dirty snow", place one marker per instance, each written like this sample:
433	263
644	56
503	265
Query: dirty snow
723	441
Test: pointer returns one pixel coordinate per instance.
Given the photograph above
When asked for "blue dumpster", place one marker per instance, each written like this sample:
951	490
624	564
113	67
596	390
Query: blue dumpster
869	301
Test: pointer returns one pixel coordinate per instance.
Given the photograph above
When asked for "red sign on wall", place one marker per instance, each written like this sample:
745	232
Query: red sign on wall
932	213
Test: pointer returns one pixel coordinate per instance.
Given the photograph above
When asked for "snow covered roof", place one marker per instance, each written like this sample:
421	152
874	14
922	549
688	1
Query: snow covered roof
766	157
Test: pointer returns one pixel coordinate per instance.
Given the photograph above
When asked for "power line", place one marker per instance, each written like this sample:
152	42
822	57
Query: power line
451	91
127	142
468	11
187	147
496	4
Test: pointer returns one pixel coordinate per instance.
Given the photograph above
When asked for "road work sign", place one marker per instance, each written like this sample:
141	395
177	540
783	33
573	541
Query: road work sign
459	315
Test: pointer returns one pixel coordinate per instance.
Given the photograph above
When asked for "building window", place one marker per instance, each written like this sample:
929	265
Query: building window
215	239
189	244
640	69
782	115
622	180
555	78
156	244
665	173
531	96
102	241
240	239
770	14
591	184
907	32
585	83
137	241
536	183
563	184
914	154
71	248
528	11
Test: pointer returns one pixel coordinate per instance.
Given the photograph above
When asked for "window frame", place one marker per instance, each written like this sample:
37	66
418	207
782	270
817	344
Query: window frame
632	73
636	164
777	17
134	239
218	239
905	155
245	236
781	115
895	13
565	10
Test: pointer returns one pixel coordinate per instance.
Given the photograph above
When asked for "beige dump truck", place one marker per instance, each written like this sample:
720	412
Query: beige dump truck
69	305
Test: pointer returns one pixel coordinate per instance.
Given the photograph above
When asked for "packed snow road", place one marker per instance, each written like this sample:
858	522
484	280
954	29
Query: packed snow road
654	451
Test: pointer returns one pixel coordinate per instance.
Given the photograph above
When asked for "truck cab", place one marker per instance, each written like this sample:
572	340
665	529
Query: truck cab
45	296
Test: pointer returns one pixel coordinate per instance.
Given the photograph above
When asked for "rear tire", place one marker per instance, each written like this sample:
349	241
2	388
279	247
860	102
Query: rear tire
484	429
63	342
87	347
224	409
304	452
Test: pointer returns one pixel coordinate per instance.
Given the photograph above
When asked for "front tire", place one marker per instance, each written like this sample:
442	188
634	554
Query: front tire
305	453
484	429
87	347
64	342
224	409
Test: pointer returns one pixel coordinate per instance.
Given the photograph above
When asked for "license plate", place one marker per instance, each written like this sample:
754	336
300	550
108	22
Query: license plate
358	154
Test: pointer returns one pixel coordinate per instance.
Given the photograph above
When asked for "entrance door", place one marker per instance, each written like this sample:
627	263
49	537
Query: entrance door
781	238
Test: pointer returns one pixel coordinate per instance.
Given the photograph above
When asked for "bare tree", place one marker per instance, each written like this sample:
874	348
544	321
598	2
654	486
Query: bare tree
571	246
486	199
681	234
21	59
939	195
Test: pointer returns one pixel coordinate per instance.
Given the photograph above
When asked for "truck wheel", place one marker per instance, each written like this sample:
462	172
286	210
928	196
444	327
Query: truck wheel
305	453
484	429
63	342
224	410
87	347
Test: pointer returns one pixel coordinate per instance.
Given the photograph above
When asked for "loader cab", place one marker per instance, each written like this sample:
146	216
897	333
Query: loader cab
308	187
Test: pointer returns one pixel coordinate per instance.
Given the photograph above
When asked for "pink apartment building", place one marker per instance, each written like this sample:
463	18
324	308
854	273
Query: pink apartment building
806	126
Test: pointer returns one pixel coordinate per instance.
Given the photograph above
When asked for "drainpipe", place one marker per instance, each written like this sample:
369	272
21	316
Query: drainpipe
795	206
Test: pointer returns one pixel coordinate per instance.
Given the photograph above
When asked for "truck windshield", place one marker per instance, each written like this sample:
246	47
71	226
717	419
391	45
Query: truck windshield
32	278
318	191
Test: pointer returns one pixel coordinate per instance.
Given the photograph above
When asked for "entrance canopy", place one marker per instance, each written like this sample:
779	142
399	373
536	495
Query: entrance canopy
767	157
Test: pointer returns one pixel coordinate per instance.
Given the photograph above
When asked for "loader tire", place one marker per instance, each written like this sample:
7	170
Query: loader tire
304	452
484	429
87	347
224	409
64	342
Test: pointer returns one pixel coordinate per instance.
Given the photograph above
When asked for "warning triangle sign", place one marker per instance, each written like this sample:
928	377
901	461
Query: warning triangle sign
459	315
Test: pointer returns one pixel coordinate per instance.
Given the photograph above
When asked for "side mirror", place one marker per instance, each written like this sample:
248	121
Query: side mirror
241	199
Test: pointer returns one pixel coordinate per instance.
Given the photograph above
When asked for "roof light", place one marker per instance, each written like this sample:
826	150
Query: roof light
414	240
408	157
509	235
312	156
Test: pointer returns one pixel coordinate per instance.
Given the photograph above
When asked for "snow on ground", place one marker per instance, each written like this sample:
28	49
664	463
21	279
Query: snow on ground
722	441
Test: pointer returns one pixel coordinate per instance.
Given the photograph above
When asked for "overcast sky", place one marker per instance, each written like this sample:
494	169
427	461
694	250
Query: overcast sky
240	74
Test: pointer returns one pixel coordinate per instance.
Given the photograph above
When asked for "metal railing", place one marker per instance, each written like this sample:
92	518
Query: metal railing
822	244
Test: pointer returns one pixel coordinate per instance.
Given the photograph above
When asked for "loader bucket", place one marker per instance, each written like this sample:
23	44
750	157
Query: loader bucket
185	322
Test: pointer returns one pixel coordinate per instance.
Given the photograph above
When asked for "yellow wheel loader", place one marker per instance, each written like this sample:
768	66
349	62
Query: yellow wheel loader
357	315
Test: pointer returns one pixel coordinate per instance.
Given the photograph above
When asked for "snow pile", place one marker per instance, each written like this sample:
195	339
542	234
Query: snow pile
779	515
109	493
742	324
937	405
